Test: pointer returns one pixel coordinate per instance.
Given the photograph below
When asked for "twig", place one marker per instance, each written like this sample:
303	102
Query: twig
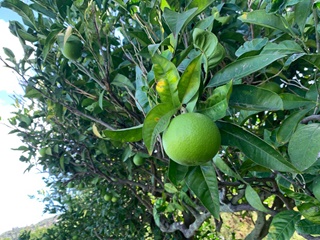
310	118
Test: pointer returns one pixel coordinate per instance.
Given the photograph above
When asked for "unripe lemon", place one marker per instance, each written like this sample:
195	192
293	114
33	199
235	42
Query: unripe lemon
72	49
191	139
138	160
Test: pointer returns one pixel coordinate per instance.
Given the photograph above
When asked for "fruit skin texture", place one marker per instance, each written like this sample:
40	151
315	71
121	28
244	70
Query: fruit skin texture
191	139
72	49
138	160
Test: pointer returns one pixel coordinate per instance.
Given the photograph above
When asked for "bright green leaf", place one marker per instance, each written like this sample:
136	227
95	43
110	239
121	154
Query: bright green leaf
254	45
122	81
132	134
156	122
167	78
190	81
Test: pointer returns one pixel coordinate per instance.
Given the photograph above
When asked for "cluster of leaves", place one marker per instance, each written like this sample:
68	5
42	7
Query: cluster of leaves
142	63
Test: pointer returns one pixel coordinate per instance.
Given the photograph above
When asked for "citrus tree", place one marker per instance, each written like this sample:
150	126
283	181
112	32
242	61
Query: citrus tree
113	91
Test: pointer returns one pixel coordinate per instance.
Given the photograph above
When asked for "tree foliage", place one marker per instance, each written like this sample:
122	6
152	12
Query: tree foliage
144	62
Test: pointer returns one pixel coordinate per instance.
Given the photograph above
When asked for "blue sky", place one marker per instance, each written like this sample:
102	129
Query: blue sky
16	207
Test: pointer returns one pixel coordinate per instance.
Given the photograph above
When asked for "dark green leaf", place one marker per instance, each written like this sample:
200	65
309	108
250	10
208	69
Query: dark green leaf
304	146
291	101
22	9
282	225
242	67
253	147
254	45
203	183
177	172
301	13
253	98
176	21
262	18
305	226
288	126
216	105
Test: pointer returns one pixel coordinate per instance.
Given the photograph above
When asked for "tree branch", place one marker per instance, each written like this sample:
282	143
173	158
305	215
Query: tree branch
310	118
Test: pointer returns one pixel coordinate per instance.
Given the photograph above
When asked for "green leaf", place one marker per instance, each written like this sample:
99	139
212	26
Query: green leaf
167	78
156	122
201	5
242	67
283	225
61	162
170	188
208	44
269	20
301	14
132	134
100	101
50	40
253	98
304	146
203	183
122	81
9	53
254	200
141	94
176	21
284	47
305	226
177	172
316	187
21	9
253	147
291	101
216	105
254	45
222	166
190	81
298	196
289	125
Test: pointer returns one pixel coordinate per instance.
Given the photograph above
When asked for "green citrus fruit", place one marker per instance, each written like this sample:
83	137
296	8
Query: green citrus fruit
138	160
72	49
114	199
271	86
107	197
191	139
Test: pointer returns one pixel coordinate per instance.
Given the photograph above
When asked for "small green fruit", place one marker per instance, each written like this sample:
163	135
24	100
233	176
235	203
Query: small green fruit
138	160
72	49
114	199
107	197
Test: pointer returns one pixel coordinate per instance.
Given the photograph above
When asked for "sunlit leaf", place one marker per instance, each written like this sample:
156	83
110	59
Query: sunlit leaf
132	134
